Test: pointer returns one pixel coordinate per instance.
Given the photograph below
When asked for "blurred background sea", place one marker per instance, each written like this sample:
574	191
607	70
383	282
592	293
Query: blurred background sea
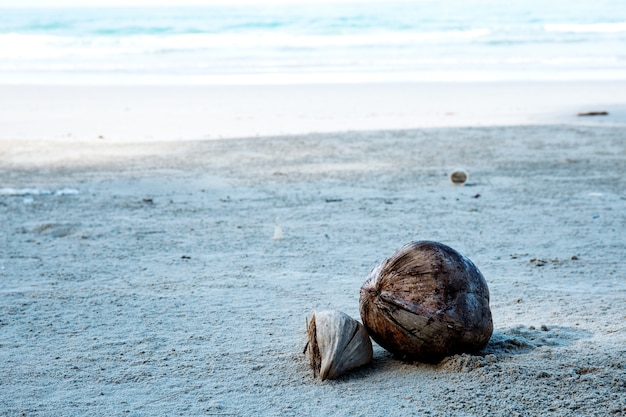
428	40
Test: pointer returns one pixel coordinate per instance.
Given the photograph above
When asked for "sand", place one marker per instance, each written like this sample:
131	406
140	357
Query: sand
206	112
141	277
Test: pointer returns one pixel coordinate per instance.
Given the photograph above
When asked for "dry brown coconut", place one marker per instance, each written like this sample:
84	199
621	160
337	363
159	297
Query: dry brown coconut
425	302
337	344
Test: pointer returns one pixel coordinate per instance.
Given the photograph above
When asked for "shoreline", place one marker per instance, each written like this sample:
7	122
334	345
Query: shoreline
164	113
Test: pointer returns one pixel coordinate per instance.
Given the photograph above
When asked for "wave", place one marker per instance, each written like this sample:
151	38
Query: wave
15	45
616	27
312	78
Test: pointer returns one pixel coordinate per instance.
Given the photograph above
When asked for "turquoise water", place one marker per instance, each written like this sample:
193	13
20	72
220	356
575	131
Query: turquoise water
446	40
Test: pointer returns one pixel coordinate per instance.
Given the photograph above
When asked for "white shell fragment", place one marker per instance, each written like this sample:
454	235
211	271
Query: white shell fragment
278	231
337	344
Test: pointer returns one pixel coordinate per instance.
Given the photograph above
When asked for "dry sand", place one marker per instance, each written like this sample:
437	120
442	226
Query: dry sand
142	278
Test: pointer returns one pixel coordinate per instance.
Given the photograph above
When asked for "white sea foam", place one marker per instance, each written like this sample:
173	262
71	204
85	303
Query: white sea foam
20	192
66	191
23	192
588	28
23	46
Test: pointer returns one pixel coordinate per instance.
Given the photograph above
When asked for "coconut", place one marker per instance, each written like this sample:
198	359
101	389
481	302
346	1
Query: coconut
425	302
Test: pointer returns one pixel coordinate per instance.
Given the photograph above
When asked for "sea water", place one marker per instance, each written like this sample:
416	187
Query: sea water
422	40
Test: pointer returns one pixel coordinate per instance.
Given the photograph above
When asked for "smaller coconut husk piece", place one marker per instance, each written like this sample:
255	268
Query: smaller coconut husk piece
337	344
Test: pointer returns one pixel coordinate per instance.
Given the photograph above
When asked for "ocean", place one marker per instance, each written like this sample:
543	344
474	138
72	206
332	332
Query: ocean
427	40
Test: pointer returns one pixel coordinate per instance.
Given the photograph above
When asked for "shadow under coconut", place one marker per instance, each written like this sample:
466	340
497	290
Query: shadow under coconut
504	343
507	343
521	340
382	362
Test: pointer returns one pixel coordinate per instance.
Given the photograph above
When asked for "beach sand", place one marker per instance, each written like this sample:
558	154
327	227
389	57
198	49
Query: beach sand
140	277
